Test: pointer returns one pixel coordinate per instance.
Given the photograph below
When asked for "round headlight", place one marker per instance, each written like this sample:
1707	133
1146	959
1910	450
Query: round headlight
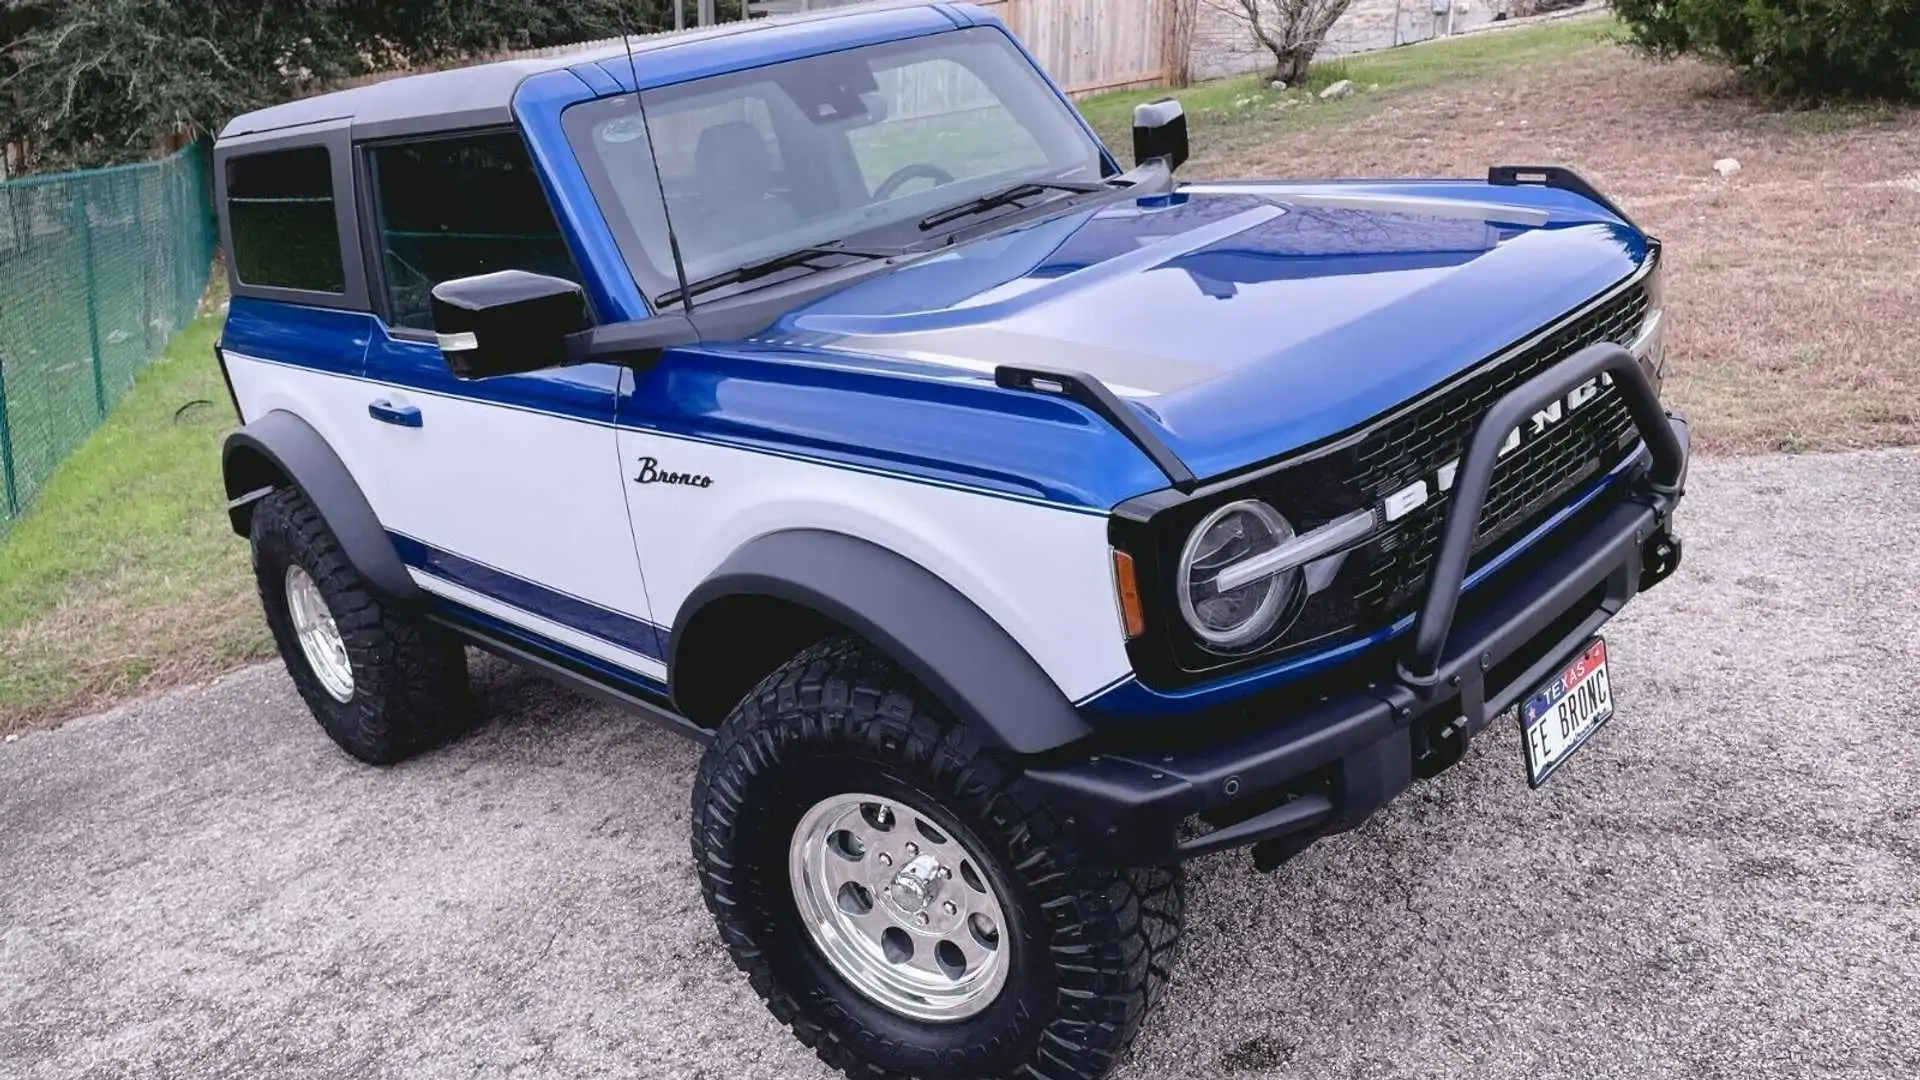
1238	619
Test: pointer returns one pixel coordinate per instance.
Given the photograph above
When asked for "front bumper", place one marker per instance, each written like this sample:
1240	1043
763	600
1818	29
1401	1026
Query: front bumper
1327	764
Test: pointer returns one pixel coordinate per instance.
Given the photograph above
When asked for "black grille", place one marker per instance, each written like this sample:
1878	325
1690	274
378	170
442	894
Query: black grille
1528	483
1382	581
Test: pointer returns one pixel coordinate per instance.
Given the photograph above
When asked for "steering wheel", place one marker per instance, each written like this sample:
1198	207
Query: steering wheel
917	171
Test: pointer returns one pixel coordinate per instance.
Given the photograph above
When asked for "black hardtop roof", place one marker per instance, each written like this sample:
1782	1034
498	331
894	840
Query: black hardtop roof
483	94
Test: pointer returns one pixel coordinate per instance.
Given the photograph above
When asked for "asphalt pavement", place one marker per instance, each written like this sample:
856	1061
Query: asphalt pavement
1725	883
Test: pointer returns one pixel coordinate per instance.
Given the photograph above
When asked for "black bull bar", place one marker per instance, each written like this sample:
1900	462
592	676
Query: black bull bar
1324	765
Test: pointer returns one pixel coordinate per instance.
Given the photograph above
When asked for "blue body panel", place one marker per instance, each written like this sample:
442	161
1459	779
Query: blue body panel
1304	323
1243	322
318	338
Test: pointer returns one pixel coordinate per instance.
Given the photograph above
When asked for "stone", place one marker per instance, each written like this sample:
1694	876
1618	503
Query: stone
1726	167
1277	84
1337	90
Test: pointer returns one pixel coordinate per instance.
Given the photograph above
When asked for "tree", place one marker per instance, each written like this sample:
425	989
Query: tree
90	82
1292	30
1182	19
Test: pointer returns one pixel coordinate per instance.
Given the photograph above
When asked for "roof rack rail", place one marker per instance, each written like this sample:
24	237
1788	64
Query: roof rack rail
1554	176
1083	388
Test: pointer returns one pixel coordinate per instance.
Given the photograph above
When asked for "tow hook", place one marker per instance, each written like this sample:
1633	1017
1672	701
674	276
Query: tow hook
1659	558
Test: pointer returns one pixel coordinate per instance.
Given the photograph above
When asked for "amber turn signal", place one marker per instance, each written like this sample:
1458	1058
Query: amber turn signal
1124	583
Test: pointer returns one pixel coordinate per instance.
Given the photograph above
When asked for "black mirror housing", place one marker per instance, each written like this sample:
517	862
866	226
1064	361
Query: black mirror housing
506	323
1160	131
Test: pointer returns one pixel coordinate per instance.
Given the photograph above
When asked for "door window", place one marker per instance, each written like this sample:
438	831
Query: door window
454	207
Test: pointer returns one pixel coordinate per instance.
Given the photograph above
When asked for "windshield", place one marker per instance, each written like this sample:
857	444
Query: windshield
859	143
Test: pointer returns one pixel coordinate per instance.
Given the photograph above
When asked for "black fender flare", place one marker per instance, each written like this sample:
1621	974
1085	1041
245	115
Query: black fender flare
282	448
954	649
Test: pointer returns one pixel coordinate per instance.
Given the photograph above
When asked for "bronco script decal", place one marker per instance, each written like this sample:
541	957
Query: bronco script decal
651	473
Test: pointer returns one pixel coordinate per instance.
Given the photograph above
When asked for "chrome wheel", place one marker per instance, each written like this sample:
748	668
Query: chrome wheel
320	639
899	908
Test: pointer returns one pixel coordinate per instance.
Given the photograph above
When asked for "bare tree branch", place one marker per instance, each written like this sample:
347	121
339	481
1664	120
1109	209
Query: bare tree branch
1292	30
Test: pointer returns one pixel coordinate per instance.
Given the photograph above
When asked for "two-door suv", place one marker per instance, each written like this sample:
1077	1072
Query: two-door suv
1011	523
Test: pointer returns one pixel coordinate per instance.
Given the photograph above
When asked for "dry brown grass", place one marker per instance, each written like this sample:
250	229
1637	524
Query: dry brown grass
1794	286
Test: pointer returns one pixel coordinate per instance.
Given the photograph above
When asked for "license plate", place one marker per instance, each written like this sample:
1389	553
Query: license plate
1560	716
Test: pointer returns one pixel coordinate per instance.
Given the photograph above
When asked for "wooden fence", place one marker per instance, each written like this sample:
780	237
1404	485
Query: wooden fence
1093	45
1086	45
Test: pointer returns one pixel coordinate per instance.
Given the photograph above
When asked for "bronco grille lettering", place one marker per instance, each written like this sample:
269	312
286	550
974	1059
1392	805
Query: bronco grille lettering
1415	495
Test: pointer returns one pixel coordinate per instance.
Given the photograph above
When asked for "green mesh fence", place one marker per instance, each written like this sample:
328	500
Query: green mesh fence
97	270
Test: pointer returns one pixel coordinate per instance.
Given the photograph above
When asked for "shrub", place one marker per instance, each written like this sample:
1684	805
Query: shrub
1810	48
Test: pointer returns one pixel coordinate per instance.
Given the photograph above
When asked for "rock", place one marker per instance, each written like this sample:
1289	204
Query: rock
1337	90
1726	167
1277	84
13	737
1372	86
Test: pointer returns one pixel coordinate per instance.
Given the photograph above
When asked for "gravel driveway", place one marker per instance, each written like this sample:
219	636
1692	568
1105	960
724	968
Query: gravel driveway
1725	883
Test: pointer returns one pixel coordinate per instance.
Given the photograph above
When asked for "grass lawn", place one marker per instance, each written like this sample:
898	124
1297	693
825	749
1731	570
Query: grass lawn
1793	287
124	575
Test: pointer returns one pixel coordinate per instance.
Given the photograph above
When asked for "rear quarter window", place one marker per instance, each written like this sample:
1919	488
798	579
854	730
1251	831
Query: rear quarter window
280	214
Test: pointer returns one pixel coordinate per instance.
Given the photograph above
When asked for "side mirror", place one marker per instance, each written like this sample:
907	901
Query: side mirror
1160	131
506	323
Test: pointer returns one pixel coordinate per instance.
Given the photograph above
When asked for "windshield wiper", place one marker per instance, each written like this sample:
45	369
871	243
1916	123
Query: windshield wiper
753	271
1005	197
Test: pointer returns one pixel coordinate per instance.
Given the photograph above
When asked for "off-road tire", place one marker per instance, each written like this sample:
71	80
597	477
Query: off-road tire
1093	944
409	676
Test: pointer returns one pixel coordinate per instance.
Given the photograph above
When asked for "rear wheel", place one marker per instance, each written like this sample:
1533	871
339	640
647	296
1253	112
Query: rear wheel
383	683
902	900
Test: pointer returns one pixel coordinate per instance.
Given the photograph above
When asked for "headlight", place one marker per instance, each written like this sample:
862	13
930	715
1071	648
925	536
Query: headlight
1238	619
1649	344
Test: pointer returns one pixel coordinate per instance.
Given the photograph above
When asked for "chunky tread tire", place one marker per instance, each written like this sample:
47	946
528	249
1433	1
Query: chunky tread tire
409	676
1099	940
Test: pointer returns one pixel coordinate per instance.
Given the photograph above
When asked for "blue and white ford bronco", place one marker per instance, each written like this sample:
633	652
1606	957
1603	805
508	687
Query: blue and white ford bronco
1010	523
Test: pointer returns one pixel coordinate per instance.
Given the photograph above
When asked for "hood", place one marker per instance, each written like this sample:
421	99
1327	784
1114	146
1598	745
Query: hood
1244	321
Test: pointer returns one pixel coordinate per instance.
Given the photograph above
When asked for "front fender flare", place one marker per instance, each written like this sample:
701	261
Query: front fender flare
280	448
955	650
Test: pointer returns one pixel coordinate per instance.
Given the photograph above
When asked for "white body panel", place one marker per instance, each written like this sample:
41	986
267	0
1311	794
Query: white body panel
1043	572
546	498
532	494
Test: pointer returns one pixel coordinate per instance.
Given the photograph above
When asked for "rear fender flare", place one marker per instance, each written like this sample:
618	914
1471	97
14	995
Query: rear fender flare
280	449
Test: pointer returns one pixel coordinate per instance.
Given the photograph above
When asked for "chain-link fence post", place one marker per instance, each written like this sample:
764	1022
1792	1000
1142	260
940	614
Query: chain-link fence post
6	446
85	231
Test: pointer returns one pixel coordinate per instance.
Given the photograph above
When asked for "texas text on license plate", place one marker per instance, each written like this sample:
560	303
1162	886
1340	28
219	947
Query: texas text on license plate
1562	714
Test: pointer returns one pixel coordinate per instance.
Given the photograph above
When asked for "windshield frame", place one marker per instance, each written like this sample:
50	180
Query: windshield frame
635	209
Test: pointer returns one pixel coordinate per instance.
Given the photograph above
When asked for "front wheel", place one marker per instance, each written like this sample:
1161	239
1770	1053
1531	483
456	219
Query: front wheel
902	900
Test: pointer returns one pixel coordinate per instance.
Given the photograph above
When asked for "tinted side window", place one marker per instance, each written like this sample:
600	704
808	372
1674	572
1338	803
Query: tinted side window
280	211
455	207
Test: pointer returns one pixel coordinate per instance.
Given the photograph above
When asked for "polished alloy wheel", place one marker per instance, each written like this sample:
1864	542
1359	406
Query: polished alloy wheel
899	908
319	638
